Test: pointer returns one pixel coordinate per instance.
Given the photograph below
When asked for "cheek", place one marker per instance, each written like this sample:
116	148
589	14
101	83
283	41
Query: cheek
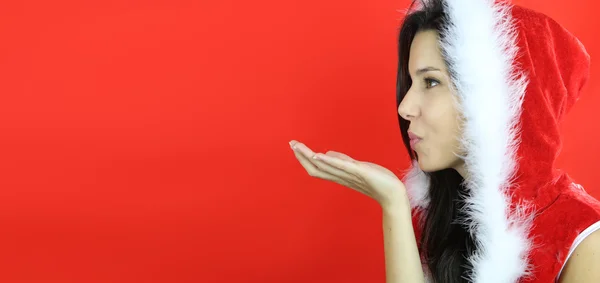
441	121
439	151
449	134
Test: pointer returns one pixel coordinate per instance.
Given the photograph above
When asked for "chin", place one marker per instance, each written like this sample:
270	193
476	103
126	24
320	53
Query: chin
425	166
429	167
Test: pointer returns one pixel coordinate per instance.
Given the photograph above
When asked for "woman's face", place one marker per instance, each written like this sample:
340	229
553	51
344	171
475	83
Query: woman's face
430	107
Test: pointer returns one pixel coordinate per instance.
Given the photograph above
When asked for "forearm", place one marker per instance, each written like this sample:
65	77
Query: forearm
402	261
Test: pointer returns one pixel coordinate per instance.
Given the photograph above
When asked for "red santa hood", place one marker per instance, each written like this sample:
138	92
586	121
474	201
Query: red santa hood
511	117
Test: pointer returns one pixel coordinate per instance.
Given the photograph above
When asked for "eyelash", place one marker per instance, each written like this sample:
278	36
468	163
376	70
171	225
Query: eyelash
427	80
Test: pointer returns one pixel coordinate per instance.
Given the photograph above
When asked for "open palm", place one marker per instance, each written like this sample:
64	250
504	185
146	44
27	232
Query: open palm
368	178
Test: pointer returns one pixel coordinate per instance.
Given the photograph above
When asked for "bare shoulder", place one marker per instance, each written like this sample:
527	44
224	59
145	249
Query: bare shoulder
583	265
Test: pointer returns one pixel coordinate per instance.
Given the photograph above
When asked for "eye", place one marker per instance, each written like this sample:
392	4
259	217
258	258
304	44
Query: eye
429	81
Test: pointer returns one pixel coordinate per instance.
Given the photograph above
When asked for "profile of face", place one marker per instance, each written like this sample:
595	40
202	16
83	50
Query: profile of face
430	107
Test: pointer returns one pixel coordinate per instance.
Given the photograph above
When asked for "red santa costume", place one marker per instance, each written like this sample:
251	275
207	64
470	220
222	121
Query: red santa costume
526	215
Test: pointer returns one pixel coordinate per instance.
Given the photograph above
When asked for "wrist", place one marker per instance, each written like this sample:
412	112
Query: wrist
398	202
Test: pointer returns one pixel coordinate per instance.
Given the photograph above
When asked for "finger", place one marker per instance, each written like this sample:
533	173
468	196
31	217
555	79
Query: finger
314	171
339	155
317	172
328	168
319	169
351	167
302	152
306	163
308	154
303	149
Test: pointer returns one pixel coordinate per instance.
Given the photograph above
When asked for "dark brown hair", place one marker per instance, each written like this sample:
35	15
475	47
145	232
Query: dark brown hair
444	244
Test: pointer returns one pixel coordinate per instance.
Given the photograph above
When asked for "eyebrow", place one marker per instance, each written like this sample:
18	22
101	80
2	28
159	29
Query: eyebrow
426	69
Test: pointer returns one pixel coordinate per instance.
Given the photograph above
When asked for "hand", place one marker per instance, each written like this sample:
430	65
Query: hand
368	178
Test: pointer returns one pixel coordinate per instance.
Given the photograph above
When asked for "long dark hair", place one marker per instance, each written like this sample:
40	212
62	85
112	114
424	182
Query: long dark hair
444	244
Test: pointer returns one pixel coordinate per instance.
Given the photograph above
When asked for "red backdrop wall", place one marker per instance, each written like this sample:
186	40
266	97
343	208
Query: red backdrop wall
147	141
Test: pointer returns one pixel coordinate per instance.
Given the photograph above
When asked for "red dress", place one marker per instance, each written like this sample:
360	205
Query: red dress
525	213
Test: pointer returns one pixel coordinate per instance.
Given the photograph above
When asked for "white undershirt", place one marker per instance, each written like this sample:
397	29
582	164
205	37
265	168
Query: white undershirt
578	240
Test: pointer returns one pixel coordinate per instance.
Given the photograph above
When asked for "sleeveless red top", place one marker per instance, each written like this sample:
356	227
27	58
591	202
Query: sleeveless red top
524	212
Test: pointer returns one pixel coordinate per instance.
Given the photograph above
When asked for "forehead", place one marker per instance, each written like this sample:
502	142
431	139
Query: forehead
425	51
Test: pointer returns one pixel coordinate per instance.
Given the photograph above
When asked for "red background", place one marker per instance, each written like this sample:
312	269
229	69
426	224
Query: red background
147	141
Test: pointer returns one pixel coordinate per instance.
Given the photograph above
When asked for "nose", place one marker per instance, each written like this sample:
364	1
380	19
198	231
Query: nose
408	109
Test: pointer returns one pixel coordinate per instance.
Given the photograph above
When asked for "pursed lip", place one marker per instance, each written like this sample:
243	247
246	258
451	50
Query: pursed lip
414	139
412	136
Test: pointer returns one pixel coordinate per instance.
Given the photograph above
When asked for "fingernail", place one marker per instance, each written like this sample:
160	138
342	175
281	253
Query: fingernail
292	146
315	157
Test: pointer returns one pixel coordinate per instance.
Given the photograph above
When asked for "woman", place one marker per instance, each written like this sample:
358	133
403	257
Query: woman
481	87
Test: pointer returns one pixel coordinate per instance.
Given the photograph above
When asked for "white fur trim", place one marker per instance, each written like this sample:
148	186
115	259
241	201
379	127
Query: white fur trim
481	36
416	183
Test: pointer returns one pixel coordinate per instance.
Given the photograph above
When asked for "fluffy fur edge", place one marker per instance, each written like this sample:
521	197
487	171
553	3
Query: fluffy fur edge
481	35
